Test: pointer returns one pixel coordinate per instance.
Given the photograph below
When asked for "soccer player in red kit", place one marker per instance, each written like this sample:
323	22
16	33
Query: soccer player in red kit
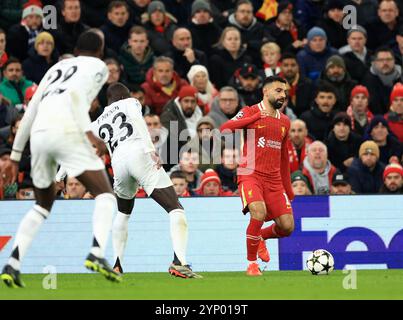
264	181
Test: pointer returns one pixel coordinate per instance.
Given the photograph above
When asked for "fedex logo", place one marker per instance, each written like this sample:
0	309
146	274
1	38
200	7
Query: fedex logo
357	230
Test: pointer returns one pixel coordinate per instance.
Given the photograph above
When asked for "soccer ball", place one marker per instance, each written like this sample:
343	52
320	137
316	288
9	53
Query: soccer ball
320	262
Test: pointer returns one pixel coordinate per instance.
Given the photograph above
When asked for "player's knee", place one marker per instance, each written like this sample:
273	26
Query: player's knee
287	229
107	201
258	215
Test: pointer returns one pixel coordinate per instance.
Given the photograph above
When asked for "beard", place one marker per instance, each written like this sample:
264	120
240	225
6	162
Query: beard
188	113
277	103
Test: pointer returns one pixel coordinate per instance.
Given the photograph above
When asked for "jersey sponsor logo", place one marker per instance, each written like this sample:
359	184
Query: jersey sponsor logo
262	143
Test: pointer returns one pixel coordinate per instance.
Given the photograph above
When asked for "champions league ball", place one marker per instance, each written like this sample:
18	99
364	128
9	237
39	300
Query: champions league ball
320	262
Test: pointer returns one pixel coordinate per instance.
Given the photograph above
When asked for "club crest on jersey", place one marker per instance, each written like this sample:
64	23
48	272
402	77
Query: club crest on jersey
239	115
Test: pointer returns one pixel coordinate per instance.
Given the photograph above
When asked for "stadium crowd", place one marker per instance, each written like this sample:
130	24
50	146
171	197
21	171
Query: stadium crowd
194	64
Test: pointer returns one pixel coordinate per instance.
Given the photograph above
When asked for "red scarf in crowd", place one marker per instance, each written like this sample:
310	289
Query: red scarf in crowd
295	162
3	59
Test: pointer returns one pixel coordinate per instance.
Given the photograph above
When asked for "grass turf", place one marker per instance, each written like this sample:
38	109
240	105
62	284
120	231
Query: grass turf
371	284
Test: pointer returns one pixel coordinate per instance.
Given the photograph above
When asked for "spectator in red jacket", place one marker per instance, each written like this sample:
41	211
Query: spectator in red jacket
162	84
395	114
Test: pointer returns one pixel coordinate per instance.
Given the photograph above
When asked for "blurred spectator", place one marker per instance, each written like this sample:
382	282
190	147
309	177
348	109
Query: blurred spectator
392	179
205	31
225	106
366	10
389	147
25	190
300	184
180	118
319	118
21	36
138	93
398	46
14	84
41	58
210	185
287	111
298	144
158	133
383	29
287	33
332	23
75	189
381	77
206	143
248	82
6	191
341	184
116	74
318	168
309	12
183	54
335	74
312	58
180	9
365	173
180	184
227	169
108	53
162	84
271	54
300	91
342	143
10	13
355	54
136	55
198	77
117	25
395	114
189	165
222	9
228	57
252	31
138	11
69	26
7	112
358	109
3	53
160	28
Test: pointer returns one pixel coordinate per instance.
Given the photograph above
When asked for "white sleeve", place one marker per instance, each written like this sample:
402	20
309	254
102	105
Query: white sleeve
134	112
24	129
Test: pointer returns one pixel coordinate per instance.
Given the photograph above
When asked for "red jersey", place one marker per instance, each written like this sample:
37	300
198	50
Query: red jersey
265	151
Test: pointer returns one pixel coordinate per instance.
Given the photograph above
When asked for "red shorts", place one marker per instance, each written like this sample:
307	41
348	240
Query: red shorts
252	188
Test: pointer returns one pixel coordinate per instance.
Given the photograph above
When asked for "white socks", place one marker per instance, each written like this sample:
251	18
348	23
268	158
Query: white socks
119	235
105	208
26	232
179	233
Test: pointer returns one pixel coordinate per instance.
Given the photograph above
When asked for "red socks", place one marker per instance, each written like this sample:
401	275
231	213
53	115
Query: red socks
272	232
253	238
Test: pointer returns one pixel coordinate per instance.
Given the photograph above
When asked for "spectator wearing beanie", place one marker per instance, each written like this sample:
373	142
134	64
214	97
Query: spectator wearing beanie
365	173
392	179
162	84
335	73
210	185
342	143
184	112
300	184
395	114
355	54
312	58
160	27
389	147
21	36
69	26
358	110
286	32
205	31
41	58
332	23
380	79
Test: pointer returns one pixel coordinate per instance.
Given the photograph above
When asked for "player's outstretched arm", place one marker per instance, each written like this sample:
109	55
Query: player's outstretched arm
244	118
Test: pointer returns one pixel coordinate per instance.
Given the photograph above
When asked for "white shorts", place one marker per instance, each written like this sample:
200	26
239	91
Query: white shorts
133	169
72	151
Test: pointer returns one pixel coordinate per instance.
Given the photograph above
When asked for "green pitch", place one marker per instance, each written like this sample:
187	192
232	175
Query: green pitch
371	284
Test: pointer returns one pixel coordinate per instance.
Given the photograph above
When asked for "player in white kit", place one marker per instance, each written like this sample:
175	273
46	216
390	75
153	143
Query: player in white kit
135	163
59	128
